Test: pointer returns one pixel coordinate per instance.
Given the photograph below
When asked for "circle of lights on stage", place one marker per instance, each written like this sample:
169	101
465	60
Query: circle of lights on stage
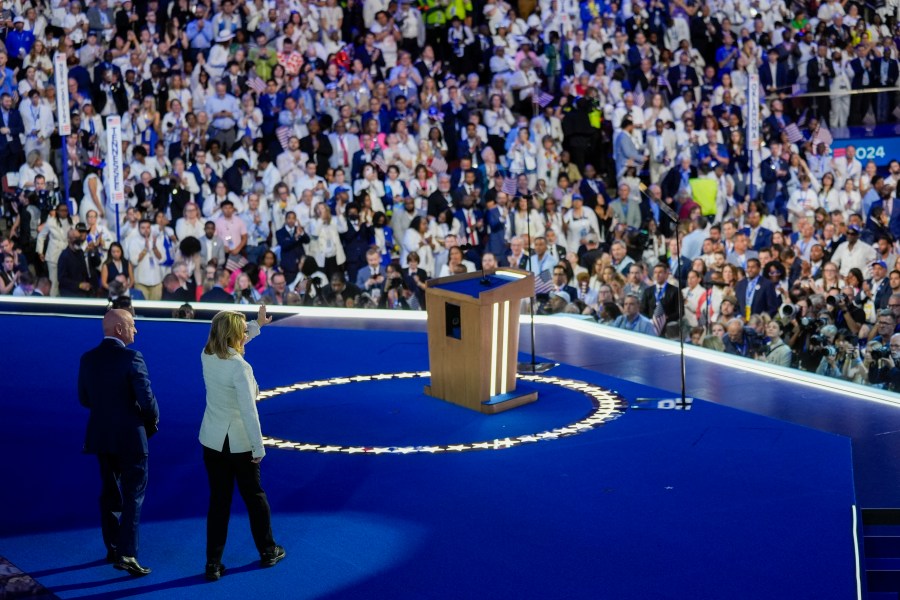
606	406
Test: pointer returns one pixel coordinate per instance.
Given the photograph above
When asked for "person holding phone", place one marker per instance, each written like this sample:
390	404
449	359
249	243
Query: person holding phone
232	439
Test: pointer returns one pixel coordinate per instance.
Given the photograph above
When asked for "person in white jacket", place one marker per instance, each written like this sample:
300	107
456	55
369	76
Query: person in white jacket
232	438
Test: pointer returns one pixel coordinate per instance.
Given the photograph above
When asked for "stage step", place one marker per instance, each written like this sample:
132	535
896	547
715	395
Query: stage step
881	549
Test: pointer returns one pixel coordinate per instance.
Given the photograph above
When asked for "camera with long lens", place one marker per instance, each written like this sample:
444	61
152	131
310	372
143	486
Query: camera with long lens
788	311
836	300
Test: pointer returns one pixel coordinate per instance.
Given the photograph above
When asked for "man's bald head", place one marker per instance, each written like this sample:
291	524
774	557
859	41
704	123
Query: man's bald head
119	324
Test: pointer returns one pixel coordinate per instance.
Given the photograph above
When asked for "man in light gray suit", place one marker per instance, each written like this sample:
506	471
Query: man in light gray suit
624	149
211	246
625	208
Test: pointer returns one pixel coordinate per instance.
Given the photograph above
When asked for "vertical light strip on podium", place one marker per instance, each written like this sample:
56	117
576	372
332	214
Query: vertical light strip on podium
505	365
494	331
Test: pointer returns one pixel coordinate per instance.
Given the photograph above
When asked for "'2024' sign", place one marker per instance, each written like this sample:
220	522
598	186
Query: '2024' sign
880	150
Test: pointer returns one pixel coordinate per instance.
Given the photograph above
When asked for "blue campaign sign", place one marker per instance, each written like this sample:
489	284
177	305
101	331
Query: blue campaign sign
879	149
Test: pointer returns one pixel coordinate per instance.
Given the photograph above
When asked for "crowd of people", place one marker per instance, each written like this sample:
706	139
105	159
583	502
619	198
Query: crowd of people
332	153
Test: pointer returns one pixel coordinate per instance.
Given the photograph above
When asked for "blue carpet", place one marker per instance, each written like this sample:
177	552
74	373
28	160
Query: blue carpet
710	503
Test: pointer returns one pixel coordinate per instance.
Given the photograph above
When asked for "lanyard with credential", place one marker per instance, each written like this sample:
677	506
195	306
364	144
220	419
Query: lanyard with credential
751	291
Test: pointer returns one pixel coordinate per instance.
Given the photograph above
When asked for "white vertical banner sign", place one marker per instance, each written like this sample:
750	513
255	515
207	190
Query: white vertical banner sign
116	181
753	112
61	79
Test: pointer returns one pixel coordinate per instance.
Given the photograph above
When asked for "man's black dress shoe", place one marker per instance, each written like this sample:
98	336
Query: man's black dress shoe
214	571
272	556
130	564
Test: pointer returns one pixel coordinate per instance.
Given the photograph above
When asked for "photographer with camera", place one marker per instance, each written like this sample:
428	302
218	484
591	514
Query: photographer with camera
847	308
776	352
881	363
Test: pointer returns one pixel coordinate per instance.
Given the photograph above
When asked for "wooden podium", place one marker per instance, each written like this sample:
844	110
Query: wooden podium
473	339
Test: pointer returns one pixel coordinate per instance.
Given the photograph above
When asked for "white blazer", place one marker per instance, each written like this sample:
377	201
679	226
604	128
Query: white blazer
231	393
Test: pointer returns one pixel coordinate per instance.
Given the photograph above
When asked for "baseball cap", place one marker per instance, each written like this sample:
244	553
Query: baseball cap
880	263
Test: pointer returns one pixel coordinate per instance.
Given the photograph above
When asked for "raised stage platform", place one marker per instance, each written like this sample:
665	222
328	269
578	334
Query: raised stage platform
379	491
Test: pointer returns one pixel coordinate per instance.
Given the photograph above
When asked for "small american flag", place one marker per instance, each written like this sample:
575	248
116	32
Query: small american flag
638	97
822	136
509	186
793	133
378	161
438	164
542	98
795	89
543	283
284	135
257	85
659	318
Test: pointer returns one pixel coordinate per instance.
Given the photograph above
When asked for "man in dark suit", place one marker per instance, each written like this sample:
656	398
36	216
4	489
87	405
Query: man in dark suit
357	240
11	127
218	293
761	296
317	147
863	77
775	176
773	75
157	86
577	65
820	72
879	285
759	236
661	292
271	103
73	274
886	71
113	383
683	76
291	238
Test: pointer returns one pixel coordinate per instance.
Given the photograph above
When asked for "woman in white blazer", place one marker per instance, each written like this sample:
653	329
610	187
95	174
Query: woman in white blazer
232	439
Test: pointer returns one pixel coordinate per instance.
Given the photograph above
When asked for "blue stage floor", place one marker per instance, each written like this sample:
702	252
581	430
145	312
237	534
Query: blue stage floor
708	503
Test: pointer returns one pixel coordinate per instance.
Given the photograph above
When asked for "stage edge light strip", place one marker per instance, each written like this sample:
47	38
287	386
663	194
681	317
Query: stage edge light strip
722	359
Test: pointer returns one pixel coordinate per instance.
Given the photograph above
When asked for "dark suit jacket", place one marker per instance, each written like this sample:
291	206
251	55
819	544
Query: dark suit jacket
17	127
674	75
813	74
771	179
859	68
670	301
217	294
893	72
291	248
72	270
161	95
114	384
119	96
322	155
765	299
882	295
763	238
782	77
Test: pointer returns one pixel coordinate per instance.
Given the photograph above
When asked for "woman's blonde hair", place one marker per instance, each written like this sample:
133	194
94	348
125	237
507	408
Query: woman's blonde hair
227	331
